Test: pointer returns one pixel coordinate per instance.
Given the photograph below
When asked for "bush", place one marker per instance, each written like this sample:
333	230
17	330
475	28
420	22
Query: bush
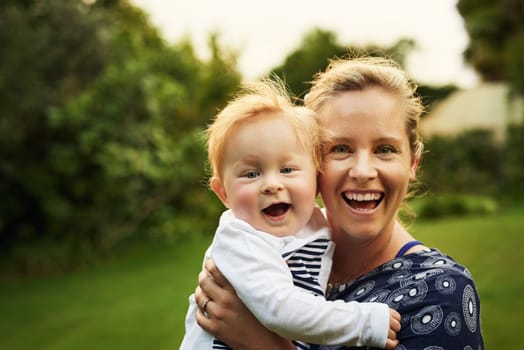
513	160
467	163
439	206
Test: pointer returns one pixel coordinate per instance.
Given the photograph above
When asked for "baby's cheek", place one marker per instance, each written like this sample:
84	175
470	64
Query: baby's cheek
245	202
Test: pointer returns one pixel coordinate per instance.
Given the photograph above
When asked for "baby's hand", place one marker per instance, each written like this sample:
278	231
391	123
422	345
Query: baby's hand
394	328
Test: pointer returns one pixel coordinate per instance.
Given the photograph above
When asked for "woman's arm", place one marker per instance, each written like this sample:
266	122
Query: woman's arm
227	317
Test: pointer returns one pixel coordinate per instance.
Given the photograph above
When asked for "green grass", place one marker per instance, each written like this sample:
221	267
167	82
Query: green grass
135	301
490	247
138	299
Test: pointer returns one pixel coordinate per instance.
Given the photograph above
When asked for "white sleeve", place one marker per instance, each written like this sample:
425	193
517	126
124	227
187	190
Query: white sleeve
262	280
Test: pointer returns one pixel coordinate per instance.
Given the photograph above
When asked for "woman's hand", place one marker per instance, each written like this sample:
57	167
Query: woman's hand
394	327
227	318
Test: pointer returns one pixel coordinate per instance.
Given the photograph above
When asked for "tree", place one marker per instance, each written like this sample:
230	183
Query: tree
315	50
100	127
496	31
46	65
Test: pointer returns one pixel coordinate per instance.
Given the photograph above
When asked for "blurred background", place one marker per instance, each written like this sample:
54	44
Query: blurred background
104	210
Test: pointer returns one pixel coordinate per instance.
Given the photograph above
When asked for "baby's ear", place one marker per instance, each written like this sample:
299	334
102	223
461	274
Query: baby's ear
218	187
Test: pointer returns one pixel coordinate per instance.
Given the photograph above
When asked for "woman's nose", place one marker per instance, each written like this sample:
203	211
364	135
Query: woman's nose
362	168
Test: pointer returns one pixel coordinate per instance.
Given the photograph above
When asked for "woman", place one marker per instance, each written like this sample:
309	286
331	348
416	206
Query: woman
369	107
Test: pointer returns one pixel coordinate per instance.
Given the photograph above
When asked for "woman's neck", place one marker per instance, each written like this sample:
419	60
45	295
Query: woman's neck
354	258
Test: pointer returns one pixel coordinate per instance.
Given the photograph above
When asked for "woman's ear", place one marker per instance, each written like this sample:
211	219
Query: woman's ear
218	187
414	165
413	170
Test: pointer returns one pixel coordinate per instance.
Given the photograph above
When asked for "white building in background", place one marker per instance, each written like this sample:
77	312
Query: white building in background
487	106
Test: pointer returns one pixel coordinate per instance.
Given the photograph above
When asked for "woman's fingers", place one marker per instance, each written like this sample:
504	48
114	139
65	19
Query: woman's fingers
208	288
202	300
216	275
206	321
392	334
213	291
391	344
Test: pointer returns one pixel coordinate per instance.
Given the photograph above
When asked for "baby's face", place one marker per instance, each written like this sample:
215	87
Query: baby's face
269	179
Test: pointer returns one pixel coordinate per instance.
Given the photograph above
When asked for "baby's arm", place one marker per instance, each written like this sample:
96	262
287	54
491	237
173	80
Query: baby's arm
264	283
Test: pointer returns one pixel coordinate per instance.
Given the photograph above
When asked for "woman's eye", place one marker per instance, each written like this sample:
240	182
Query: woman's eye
340	149
286	170
386	149
251	174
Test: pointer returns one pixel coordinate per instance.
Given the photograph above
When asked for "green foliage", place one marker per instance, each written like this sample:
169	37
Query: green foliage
101	139
310	57
473	163
439	206
55	52
468	163
496	31
315	50
513	162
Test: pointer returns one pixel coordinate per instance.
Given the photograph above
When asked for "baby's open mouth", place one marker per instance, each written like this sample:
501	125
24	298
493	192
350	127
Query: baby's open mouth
363	201
277	209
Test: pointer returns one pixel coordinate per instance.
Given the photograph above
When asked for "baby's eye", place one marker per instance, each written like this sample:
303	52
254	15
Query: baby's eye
251	174
386	149
340	149
286	170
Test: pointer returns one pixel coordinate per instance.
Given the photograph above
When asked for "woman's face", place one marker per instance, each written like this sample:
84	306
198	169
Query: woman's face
368	164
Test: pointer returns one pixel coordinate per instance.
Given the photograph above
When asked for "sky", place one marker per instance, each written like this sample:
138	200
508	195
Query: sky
265	32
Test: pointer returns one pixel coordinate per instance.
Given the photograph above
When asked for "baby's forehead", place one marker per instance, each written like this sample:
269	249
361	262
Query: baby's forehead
279	125
277	119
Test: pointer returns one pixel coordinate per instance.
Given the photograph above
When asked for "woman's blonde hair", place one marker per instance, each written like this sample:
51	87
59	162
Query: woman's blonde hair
359	73
267	98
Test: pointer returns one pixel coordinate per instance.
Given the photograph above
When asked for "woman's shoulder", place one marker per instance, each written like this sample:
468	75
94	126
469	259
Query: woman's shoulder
427	264
429	274
417	274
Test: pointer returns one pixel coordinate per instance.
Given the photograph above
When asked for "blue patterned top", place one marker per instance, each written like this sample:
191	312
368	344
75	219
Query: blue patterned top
436	297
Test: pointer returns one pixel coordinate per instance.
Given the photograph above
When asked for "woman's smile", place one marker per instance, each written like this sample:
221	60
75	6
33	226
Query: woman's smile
363	201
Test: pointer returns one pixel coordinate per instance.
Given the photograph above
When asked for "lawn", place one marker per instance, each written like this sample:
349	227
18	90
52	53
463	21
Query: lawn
138	299
135	301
